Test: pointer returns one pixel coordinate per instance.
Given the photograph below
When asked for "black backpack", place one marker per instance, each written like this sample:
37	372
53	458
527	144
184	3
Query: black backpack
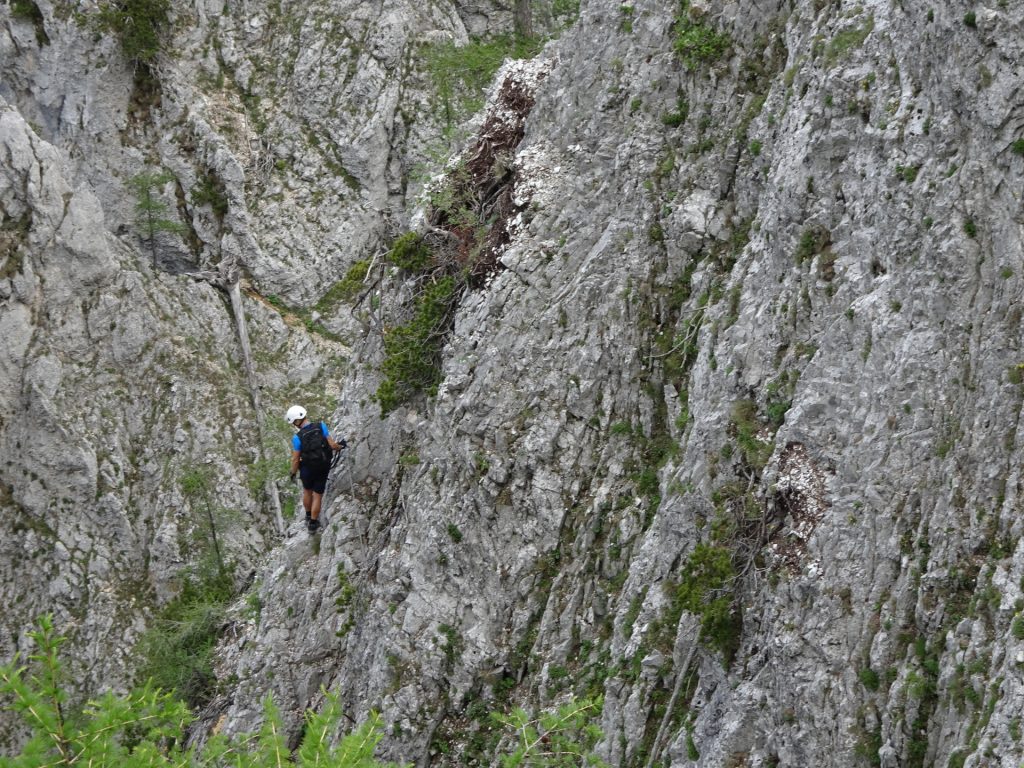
314	452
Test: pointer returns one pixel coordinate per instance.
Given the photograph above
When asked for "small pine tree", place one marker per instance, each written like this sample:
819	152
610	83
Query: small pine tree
152	210
146	728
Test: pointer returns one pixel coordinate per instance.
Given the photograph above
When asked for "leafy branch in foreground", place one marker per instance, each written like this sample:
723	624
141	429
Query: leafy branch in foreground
564	738
145	728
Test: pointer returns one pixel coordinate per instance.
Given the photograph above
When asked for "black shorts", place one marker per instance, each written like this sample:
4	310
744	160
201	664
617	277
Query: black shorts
316	483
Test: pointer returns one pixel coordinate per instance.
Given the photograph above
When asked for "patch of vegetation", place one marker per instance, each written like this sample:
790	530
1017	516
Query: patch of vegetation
151	211
746	427
461	74
147	727
869	678
347	288
1017	147
28	10
177	648
410	253
565	737
412	351
970	228
971	19
813	240
698	44
209	190
706	590
454	533
848	40
677	118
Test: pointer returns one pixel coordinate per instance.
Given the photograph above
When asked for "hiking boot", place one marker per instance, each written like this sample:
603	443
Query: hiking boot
312	525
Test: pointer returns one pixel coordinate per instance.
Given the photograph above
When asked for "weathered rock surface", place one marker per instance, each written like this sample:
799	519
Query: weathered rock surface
760	299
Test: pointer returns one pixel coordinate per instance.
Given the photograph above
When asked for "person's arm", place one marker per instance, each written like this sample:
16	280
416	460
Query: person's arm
295	464
335	446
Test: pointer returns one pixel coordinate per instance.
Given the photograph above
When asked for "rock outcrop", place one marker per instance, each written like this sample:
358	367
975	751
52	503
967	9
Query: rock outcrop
726	432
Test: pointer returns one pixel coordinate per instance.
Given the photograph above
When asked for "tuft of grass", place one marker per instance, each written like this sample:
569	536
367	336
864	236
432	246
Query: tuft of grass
848	40
698	44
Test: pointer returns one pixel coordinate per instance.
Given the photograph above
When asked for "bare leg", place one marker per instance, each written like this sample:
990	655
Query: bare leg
307	502
314	511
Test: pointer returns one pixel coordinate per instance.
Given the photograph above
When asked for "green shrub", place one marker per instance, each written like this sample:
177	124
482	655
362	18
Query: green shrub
412	351
970	228
409	252
848	40
1018	628
454	533
177	648
210	191
461	74
756	452
565	737
139	25
347	288
971	19
698	44
869	678
1017	147
706	590
147	728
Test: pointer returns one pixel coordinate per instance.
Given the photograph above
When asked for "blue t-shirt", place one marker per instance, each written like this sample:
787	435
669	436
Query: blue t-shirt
297	444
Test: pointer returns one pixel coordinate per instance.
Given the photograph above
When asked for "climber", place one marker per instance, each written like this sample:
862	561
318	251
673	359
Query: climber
312	448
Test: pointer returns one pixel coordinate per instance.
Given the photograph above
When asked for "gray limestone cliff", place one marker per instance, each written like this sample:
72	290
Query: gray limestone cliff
725	428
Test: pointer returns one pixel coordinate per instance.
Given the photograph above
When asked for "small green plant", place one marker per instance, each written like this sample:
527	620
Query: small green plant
698	44
869	678
461	74
454	533
907	172
1006	273
677	118
970	228
410	253
626	18
413	350
1018	628
209	190
848	40
147	727
755	147
559	739
813	241
28	10
971	19
1017	147
139	25
706	590
151	210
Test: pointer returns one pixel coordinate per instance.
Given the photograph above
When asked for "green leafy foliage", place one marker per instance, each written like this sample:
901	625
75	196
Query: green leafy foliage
706	590
139	25
209	190
848	40
412	350
146	728
564	738
698	44
755	451
410	253
177	648
151	211
461	74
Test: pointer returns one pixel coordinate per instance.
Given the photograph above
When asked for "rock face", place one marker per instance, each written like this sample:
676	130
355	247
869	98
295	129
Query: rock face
728	435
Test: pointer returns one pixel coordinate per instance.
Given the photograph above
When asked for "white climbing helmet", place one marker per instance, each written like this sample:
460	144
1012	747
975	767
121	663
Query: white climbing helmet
295	413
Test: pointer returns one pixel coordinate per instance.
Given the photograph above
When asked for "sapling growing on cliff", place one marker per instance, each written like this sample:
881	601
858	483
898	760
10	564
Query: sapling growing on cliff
152	211
146	728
